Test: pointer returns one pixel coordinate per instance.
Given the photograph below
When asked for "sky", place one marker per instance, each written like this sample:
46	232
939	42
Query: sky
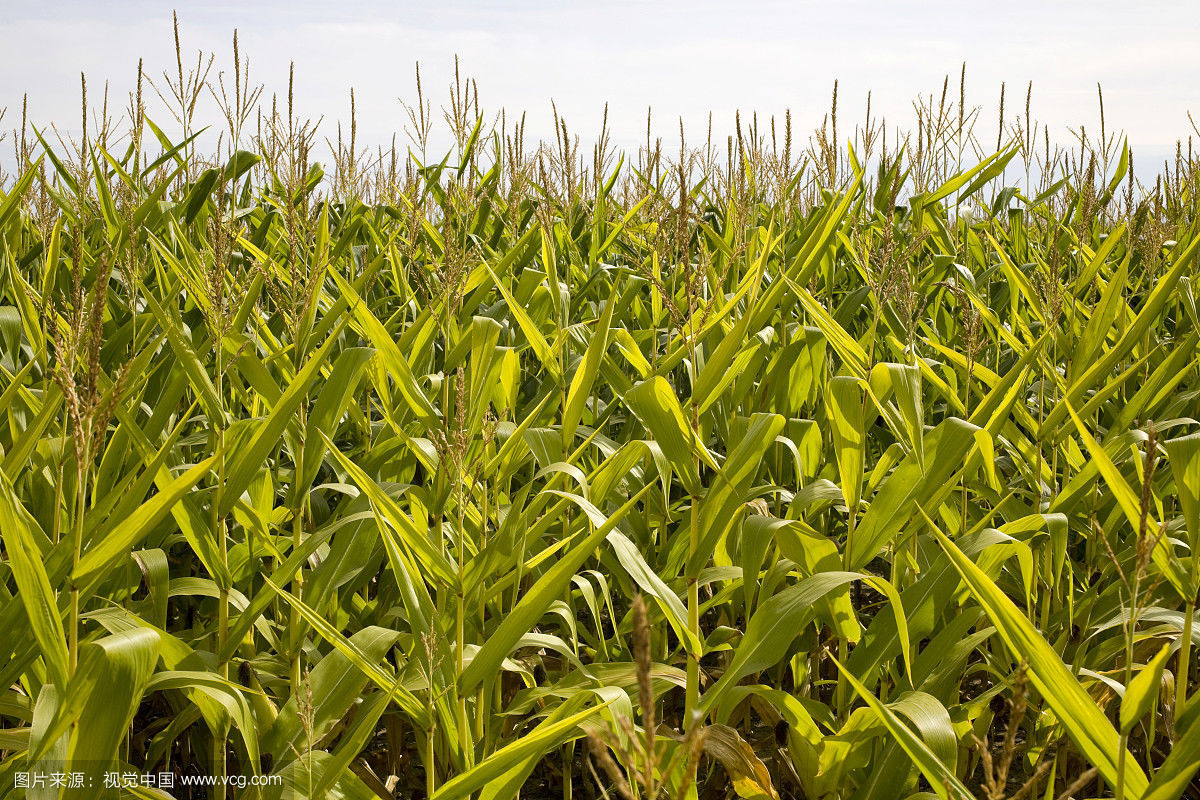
684	59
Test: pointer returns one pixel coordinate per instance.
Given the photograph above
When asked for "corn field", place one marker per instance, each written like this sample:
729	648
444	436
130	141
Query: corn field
766	467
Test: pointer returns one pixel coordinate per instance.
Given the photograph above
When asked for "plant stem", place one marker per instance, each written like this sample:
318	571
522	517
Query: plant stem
692	693
82	453
1185	656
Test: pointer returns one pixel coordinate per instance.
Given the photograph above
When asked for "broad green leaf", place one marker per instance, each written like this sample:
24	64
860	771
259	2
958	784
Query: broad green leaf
561	725
127	534
224	692
1129	502
348	370
389	352
354	656
529	328
946	448
1100	323
655	404
781	618
1079	715
1141	695
252	453
933	768
727	496
537	600
1184	456
845	397
585	375
33	585
335	685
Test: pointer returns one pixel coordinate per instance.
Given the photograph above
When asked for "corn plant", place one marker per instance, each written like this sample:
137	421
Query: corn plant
768	469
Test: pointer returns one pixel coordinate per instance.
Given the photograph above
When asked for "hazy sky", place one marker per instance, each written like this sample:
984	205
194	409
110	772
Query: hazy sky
684	58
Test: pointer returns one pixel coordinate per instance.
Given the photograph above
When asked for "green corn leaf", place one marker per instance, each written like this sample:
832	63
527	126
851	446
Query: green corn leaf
727	497
1149	313
389	352
354	655
348	370
1079	715
1141	695
844	402
1184	456
1129	502
946	448
127	534
33	585
252	453
534	603
781	618
655	404
936	771
585	376
494	771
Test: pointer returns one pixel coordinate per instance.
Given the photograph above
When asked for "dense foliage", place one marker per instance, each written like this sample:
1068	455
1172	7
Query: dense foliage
843	473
